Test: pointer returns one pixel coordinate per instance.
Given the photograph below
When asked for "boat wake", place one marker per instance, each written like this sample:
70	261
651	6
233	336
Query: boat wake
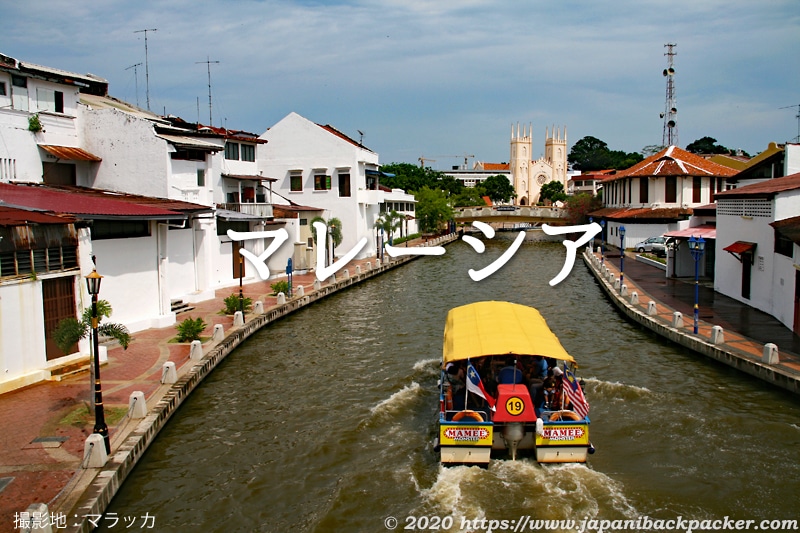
523	487
614	391
397	401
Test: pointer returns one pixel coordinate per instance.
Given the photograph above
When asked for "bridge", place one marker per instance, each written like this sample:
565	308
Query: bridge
512	214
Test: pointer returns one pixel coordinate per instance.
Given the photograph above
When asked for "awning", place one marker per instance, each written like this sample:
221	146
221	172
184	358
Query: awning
249	177
705	231
69	153
185	141
226	214
739	248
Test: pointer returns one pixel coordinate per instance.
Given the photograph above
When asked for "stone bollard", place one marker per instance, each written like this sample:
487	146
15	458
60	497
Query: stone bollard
301	291
345	273
238	319
281	298
333	278
38	518
219	333
317	284
771	356
652	310
369	265
358	270
94	451
103	351
634	298
258	308
717	337
677	319
616	284
196	351
168	373
623	290
137	405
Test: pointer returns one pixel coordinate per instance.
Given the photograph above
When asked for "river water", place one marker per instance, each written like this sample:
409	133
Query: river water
323	421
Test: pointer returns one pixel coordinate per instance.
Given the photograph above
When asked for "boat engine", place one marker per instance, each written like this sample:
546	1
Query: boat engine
513	433
514	410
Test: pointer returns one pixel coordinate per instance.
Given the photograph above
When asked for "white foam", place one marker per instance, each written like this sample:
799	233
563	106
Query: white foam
397	400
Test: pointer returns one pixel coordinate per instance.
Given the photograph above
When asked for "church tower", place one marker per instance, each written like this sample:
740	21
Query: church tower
555	153
521	146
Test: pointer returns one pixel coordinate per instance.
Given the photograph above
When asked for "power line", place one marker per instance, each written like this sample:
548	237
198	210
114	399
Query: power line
796	139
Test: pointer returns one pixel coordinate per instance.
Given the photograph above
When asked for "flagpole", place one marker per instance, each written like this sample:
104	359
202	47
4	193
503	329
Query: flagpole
466	385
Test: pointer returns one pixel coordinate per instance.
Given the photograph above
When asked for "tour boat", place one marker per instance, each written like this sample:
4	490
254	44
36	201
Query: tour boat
498	400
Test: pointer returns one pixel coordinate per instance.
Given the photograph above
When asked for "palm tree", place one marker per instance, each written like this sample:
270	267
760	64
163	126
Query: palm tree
333	228
389	222
69	331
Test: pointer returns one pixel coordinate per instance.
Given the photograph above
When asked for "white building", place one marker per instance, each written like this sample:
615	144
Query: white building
758	259
320	166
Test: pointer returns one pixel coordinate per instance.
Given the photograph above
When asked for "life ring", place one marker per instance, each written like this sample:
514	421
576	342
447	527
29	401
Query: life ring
468	414
562	415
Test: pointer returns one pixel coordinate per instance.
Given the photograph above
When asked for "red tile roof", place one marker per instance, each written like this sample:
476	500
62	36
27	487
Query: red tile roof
705	231
89	203
496	166
763	189
642	213
674	161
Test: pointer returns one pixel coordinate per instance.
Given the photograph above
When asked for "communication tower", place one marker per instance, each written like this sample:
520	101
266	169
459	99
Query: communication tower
670	114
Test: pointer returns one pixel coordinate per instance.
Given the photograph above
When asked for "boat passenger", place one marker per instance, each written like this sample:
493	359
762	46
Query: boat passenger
456	381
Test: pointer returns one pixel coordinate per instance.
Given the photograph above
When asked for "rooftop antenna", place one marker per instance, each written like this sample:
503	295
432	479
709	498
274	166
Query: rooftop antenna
208	65
796	139
136	78
360	138
146	64
670	134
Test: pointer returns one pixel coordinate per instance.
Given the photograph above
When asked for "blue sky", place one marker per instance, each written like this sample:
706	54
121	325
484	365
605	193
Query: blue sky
442	78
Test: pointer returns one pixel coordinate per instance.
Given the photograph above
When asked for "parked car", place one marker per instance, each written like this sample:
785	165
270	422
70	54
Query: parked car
654	245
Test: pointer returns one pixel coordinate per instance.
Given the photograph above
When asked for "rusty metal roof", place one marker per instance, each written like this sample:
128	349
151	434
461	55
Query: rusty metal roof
69	153
12	216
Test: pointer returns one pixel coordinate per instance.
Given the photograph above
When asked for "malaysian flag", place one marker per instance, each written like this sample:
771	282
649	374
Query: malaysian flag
573	391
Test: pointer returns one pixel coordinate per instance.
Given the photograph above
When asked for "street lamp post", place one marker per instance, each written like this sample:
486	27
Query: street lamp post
621	256
241	275
100	427
696	246
602	242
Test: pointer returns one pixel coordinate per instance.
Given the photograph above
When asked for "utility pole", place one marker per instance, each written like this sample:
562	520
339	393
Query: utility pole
136	78
146	64
208	64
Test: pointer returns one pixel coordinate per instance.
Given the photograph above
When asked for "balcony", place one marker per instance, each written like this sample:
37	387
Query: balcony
251	208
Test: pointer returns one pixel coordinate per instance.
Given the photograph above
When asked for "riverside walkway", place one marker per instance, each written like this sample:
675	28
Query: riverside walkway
729	331
44	473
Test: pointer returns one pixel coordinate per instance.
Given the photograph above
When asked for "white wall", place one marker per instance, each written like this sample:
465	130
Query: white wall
134	159
21	329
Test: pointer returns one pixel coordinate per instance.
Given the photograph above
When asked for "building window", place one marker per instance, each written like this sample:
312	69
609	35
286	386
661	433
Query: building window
201	177
3	90
248	152
50	100
109	229
296	182
783	245
236	225
188	154
697	191
671	190
643	192
322	182
344	184
232	151
304	222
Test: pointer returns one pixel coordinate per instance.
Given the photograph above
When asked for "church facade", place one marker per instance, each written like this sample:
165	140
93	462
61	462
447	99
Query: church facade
527	174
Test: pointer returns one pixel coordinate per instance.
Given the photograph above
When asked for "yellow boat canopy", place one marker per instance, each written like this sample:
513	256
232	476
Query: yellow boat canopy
498	328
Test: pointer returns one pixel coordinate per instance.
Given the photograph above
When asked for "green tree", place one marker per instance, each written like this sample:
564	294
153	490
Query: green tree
580	205
470	196
590	153
708	145
333	227
433	209
553	191
498	188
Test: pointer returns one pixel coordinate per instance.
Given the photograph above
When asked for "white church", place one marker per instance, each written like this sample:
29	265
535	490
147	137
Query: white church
526	174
